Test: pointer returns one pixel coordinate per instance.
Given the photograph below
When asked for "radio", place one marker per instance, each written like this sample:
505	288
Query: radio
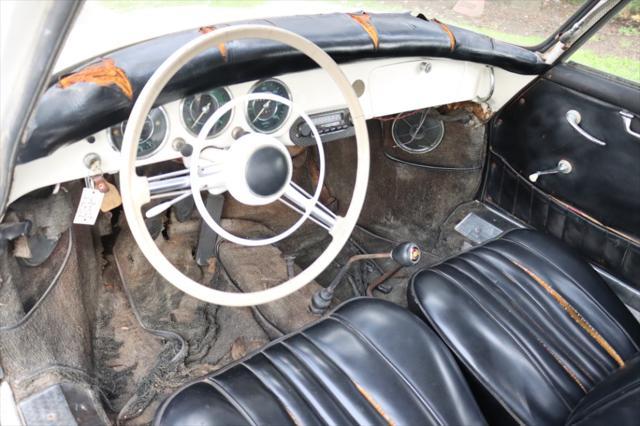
331	125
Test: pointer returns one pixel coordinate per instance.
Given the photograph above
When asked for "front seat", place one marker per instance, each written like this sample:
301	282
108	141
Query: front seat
535	329
369	362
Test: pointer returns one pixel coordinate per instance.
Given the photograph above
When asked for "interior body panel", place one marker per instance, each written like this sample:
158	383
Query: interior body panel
595	208
532	134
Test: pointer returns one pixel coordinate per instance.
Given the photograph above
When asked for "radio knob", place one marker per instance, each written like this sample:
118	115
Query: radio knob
304	130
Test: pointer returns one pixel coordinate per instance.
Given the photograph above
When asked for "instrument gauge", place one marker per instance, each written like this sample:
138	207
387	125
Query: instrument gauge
197	109
417	133
265	115
154	132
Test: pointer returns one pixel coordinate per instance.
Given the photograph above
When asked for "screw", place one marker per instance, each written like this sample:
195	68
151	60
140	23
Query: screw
425	66
177	144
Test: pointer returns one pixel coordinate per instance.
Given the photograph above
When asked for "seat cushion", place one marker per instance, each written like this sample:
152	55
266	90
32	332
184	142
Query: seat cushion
616	400
534	327
369	362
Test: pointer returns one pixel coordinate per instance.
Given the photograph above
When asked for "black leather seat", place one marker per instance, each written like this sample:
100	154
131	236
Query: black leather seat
369	362
534	327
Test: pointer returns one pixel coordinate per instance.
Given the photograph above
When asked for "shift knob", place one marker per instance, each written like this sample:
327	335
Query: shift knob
406	254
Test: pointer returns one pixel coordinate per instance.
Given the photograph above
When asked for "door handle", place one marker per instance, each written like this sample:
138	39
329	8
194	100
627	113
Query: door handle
574	118
626	118
564	167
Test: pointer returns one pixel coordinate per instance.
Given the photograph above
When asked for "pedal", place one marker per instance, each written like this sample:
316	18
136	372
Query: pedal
208	238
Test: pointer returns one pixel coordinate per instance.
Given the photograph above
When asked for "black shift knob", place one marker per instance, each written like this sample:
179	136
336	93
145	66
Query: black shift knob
406	254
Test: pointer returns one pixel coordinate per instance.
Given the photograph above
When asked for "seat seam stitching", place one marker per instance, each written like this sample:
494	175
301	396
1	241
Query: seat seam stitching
604	312
524	315
335	366
294	386
319	382
225	392
589	352
456	352
349	326
533	362
573	313
543	309
270	390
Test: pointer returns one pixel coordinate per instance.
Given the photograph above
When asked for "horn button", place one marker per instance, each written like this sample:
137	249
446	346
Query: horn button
258	169
267	171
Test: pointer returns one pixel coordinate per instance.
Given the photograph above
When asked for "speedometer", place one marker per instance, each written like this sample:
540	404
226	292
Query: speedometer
154	132
265	115
197	109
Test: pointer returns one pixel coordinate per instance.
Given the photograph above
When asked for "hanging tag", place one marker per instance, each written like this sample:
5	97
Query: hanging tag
111	198
89	207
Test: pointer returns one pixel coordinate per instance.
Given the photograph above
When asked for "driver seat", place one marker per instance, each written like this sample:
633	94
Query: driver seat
369	362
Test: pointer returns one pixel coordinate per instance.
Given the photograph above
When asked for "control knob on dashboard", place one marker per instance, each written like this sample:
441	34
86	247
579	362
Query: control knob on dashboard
304	130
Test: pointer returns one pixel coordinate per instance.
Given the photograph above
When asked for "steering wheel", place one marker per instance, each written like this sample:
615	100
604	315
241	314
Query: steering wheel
255	169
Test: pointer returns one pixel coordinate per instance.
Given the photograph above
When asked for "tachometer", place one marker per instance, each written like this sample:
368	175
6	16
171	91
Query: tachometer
197	109
267	116
153	134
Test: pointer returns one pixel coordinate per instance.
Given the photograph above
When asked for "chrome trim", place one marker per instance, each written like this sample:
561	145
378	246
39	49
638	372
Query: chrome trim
573	118
246	108
626	118
492	86
158	148
564	167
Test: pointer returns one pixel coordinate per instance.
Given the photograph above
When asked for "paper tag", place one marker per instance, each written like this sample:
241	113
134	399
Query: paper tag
111	198
89	207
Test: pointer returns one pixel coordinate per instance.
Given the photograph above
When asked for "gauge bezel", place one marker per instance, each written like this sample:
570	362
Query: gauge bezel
158	148
246	107
191	132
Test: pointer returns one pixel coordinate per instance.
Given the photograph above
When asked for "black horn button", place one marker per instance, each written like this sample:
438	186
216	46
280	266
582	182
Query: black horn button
267	171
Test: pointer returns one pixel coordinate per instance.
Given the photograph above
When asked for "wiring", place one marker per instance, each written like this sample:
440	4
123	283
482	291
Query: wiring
50	287
433	167
165	334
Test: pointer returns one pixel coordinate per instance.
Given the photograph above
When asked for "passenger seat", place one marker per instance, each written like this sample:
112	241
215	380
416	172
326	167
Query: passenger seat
535	329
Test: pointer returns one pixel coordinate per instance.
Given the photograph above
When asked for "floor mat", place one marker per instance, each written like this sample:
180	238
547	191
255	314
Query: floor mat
152	338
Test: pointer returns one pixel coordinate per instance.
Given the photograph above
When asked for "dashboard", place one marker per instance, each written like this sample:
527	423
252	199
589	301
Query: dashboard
384	87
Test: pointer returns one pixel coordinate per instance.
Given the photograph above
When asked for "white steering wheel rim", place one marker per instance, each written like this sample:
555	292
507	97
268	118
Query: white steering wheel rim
132	201
202	142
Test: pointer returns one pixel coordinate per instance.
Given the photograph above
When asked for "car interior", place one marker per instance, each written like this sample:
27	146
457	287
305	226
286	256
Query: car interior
343	218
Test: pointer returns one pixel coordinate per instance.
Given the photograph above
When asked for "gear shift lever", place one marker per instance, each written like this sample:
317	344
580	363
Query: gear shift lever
405	254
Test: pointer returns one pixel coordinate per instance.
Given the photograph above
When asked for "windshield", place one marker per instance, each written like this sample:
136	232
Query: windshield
105	25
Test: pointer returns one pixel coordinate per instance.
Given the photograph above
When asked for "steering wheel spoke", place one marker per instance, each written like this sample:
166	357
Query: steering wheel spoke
300	200
239	168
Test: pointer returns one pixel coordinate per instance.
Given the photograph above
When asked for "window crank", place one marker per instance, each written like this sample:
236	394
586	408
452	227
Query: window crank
563	167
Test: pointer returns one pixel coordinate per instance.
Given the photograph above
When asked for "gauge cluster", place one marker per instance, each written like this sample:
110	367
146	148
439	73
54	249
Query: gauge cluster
260	115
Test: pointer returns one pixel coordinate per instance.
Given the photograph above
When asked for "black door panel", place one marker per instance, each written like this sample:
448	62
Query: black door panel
532	134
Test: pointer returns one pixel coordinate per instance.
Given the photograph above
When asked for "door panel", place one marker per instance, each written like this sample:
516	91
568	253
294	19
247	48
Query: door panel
532	134
596	207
